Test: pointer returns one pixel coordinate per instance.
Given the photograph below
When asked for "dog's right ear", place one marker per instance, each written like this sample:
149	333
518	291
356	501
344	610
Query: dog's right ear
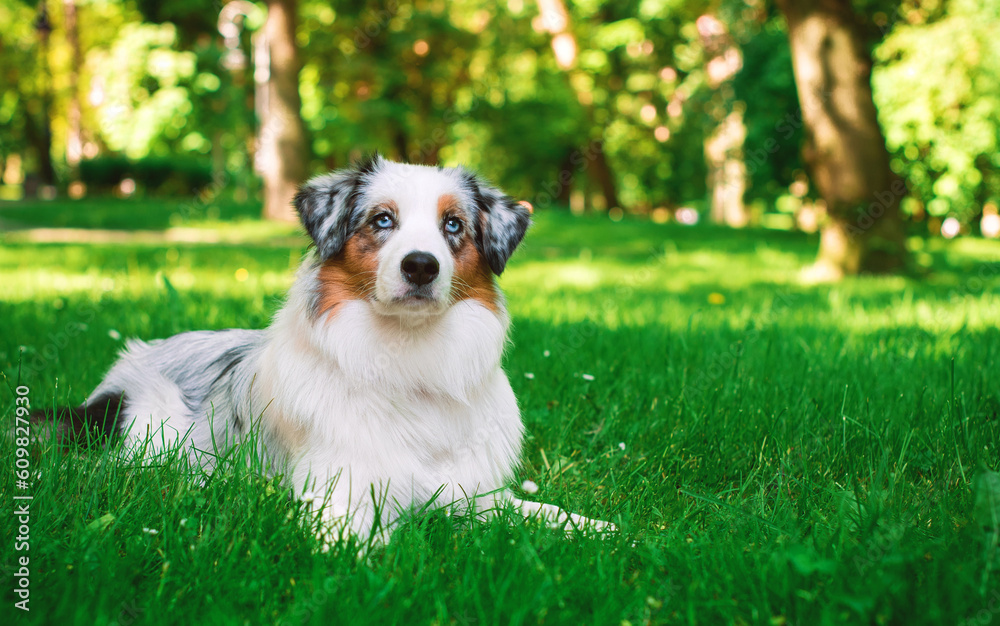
324	206
327	205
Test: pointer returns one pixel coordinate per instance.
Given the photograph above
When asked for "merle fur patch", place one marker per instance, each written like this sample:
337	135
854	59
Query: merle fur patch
503	222
328	205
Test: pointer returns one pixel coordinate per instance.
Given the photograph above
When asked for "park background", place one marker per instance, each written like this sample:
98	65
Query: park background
755	322
645	107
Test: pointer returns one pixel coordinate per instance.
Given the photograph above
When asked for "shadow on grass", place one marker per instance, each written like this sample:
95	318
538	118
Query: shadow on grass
122	214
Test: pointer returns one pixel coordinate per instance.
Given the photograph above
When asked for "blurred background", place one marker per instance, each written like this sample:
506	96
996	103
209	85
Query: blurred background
873	122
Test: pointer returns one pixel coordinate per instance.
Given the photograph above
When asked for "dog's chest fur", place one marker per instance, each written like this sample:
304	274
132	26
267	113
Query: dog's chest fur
408	409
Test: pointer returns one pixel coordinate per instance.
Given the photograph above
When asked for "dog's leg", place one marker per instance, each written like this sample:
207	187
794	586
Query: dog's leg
552	515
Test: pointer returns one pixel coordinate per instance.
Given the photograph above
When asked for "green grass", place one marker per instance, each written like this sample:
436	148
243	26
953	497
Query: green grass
773	453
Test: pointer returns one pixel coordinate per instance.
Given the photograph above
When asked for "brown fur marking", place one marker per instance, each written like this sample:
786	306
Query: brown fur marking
351	274
473	278
292	436
448	204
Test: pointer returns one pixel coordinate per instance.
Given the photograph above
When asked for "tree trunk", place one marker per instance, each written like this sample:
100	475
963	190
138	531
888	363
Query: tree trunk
844	148
605	176
553	18
74	138
727	170
283	146
723	146
41	137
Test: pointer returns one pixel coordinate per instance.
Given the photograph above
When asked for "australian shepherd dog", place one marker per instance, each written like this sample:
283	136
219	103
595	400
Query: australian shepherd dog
379	382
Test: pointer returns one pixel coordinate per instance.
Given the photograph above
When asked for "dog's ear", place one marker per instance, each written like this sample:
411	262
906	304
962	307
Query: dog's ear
502	222
327	205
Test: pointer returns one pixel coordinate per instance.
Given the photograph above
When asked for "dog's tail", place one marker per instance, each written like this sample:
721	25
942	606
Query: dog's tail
91	423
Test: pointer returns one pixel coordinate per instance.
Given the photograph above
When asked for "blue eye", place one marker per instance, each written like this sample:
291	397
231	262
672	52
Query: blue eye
383	221
453	225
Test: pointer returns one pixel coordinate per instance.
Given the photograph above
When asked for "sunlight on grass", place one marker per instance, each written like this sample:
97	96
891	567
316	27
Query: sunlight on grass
818	443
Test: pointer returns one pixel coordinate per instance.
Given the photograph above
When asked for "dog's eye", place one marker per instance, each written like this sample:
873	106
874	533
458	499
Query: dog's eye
453	225
383	221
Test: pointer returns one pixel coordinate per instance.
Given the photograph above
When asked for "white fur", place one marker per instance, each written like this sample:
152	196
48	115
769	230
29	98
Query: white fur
407	400
415	191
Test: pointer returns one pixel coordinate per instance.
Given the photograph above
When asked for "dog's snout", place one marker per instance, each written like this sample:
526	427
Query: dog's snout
419	268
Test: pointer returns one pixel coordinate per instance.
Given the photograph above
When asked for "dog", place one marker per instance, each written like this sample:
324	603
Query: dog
379	381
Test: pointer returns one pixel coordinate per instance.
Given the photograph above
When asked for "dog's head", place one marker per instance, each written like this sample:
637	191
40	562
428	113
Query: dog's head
409	239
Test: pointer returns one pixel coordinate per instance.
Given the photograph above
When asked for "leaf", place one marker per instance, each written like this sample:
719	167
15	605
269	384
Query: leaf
808	562
101	522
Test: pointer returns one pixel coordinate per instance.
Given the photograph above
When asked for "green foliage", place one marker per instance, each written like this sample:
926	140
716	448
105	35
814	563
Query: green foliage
773	119
191	17
144	80
180	176
936	88
487	92
477	82
21	82
791	454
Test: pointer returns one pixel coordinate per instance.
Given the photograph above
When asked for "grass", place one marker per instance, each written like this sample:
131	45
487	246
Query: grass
773	453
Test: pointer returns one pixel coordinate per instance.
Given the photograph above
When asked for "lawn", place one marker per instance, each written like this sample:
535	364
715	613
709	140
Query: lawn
772	453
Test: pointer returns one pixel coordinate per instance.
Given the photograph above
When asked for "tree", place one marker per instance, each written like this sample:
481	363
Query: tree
724	157
40	128
554	19
844	146
766	84
283	150
74	139
936	90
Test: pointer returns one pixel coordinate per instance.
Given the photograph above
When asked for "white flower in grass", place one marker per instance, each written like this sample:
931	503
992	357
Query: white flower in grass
529	375
114	334
529	486
184	522
621	446
588	377
308	497
150	531
546	353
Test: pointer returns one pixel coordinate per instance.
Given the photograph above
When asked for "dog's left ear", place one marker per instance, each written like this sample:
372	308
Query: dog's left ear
502	223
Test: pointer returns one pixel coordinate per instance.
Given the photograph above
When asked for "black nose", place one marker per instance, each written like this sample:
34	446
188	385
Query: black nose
419	268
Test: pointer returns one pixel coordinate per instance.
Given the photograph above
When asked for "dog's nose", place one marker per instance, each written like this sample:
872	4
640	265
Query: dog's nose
419	268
